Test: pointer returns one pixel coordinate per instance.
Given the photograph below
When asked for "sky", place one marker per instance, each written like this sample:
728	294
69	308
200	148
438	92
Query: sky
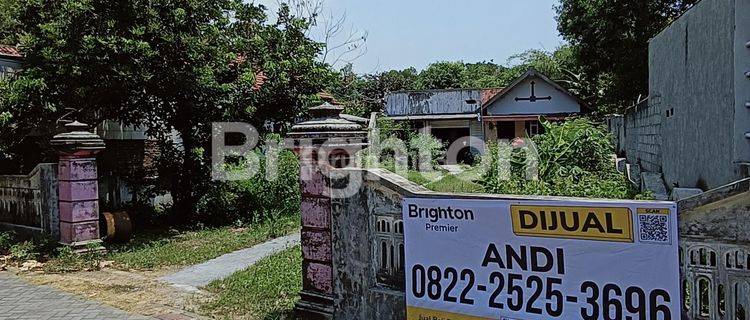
406	33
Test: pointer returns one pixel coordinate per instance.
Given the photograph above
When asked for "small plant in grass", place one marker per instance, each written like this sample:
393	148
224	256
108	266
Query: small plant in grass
40	247
24	250
66	260
6	241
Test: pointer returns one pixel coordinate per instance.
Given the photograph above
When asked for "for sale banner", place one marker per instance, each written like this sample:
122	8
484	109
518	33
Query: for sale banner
533	260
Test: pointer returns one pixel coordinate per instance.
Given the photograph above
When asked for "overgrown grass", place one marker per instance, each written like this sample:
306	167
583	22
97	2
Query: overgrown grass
267	290
454	184
153	250
150	249
424	178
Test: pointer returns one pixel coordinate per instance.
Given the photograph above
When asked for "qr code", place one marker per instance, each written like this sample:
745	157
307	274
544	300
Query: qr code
654	228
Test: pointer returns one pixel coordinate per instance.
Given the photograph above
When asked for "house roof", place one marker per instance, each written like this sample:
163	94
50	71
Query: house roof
10	52
433	102
467	116
531	73
430	103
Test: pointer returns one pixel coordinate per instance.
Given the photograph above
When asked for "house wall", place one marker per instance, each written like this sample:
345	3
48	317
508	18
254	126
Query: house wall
691	76
449	124
560	103
742	81
490	132
476	131
8	66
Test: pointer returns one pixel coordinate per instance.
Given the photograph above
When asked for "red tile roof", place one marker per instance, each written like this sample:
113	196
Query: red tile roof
10	51
488	94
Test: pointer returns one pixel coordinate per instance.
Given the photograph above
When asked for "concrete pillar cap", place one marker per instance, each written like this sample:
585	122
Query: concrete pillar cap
77	138
327	117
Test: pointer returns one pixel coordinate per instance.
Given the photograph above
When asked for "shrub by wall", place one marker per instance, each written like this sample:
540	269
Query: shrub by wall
256	198
574	159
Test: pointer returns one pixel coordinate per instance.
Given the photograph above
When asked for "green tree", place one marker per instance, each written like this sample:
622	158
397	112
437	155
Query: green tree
485	75
364	94
161	64
611	41
442	75
7	23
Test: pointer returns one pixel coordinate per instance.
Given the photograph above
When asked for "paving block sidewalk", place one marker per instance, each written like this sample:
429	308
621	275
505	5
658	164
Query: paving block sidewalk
194	277
20	300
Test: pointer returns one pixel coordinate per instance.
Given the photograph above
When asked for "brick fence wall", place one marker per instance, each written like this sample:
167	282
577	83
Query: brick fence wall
642	134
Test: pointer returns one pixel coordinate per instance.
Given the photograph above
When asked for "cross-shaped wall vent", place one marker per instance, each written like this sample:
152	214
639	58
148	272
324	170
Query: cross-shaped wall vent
533	97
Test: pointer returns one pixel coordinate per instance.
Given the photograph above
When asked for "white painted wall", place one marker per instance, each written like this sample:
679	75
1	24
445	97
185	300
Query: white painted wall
8	66
560	103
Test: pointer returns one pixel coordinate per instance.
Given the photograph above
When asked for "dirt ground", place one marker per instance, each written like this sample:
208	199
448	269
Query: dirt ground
134	291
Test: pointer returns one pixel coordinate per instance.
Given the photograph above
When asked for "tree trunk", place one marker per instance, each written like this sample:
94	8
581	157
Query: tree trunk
184	187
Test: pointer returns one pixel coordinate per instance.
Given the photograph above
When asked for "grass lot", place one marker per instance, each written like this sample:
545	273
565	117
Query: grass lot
454	184
159	249
442	181
267	290
154	250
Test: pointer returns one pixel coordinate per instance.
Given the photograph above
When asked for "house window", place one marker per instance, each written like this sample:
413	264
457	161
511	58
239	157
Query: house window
389	251
533	128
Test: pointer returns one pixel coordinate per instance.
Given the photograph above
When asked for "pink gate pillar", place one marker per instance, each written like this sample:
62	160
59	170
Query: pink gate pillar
325	142
78	185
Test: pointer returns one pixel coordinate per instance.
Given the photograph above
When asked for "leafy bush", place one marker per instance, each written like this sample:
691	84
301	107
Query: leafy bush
25	250
37	248
574	159
256	198
388	128
6	241
423	145
416	144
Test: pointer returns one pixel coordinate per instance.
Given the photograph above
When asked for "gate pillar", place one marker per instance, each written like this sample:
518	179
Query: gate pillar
78	189
326	142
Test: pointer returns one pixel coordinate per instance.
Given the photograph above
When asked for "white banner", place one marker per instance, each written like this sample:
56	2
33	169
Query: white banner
534	260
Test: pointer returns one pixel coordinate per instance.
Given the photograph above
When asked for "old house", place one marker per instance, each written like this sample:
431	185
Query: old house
515	111
487	114
10	59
